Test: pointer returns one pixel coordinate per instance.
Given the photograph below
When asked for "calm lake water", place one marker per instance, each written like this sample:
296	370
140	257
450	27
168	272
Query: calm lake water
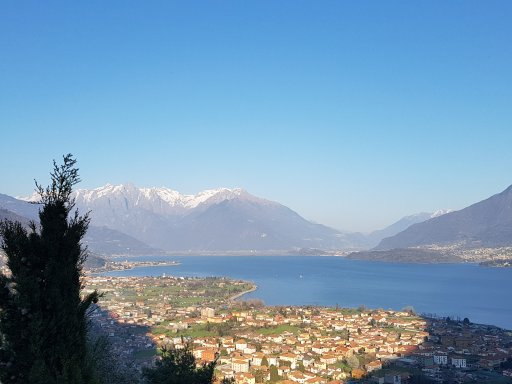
457	290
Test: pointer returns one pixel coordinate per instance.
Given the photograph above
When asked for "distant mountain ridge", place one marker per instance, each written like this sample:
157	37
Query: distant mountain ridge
375	237
487	223
213	220
216	220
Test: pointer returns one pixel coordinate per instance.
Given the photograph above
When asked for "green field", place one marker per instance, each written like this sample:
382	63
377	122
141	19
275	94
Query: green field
278	330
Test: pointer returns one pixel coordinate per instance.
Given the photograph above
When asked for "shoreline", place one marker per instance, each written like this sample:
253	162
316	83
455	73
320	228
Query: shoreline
129	267
239	295
234	254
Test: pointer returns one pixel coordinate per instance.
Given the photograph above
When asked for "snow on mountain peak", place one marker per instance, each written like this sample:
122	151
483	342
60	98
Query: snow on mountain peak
441	212
214	196
155	198
34	197
143	196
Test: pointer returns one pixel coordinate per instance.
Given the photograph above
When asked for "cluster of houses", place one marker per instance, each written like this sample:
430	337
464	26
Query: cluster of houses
333	346
316	345
307	345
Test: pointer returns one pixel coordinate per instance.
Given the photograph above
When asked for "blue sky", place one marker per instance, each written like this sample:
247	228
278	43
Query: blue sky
352	113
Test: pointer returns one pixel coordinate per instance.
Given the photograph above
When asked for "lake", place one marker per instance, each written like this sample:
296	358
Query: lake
455	290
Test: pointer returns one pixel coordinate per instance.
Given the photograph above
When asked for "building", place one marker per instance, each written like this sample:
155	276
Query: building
245	378
373	366
440	359
207	312
459	362
240	365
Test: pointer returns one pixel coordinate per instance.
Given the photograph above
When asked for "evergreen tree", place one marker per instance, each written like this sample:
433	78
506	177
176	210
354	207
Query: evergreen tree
178	366
43	319
274	373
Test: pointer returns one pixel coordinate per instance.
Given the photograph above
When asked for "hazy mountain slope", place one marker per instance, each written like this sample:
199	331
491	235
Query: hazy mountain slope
107	242
19	207
247	225
375	237
486	223
11	216
101	240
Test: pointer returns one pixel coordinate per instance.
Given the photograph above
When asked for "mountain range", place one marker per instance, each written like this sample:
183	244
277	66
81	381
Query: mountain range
130	220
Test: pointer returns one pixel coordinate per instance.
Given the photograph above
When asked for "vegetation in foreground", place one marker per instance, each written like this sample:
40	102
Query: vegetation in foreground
43	319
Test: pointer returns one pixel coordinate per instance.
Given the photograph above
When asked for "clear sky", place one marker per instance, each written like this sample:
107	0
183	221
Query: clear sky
353	113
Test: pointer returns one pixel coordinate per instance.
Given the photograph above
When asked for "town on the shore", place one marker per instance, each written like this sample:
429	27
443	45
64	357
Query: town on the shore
254	343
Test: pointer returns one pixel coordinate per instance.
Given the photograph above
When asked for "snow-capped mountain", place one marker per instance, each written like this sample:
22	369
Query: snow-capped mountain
213	220
160	200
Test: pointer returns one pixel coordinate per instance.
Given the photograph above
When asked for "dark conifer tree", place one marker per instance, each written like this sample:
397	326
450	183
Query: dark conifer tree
43	318
178	366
